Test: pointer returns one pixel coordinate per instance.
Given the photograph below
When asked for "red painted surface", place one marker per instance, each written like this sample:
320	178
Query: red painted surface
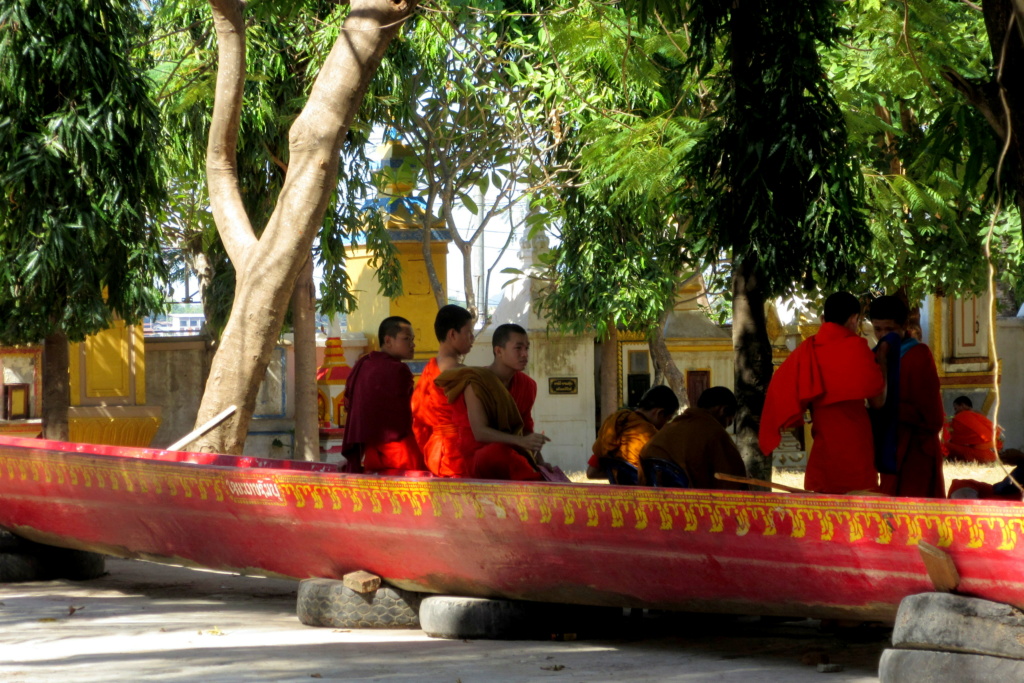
675	549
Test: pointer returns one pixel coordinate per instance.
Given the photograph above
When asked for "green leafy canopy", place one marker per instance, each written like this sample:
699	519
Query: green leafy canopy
78	178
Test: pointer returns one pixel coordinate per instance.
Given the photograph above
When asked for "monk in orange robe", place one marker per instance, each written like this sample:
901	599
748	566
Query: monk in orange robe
920	415
698	442
969	436
624	433
831	374
378	432
436	433
492	409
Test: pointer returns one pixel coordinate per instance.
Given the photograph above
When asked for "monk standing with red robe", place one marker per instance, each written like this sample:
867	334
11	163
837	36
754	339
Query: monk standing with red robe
378	431
436	433
831	374
920	414
970	435
492	409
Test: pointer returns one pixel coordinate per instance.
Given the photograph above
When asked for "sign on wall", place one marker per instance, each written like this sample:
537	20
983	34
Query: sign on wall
563	385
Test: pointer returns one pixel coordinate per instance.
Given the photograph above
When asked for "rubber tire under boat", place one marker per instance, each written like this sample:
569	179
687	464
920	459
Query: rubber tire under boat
449	616
954	623
928	666
23	560
328	602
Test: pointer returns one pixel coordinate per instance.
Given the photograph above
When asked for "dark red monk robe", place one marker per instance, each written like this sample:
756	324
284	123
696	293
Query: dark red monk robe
921	415
436	433
504	411
377	397
970	438
831	373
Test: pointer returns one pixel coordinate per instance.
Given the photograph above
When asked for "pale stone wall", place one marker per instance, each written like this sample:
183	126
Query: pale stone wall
176	372
1010	350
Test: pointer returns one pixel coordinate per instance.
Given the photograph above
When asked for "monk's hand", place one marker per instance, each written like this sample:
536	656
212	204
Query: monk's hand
533	442
882	353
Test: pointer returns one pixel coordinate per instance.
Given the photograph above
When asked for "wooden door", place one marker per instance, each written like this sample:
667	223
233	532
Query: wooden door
696	382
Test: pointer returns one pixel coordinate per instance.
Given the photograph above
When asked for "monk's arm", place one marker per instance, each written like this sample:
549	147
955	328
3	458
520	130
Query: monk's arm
484	433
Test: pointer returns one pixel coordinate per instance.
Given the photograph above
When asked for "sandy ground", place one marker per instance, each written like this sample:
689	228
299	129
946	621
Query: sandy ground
146	622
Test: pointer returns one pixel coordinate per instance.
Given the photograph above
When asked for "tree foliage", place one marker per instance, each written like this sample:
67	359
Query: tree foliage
774	183
927	156
78	176
629	122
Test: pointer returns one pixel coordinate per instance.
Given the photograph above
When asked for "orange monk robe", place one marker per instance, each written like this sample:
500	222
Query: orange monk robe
921	415
432	425
970	438
379	423
623	435
699	444
502	411
831	373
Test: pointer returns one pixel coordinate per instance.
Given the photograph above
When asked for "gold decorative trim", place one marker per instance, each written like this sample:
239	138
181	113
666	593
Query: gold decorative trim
811	519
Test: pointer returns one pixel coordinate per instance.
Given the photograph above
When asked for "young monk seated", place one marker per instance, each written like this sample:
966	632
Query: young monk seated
492	409
625	432
378	432
969	434
831	374
432	424
698	443
1007	489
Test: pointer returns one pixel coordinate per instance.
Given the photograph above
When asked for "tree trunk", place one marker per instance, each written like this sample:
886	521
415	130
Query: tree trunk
440	295
267	269
610	372
56	386
753	362
665	367
307	427
467	277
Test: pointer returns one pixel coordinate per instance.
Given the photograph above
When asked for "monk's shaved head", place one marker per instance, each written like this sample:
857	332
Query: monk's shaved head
839	307
390	327
889	308
963	401
502	333
660	396
449	318
718	396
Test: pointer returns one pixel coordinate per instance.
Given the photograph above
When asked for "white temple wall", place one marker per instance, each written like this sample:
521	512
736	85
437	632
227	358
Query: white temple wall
1010	351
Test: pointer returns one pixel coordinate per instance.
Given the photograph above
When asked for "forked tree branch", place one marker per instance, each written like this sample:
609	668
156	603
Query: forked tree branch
221	150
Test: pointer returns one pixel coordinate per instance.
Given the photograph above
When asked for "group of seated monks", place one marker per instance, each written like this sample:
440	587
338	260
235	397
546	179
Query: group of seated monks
458	421
696	442
876	413
477	422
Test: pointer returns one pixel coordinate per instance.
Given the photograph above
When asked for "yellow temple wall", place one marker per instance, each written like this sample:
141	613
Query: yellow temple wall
108	389
416	303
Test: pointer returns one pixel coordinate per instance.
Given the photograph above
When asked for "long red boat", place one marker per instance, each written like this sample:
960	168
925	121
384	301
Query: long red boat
755	553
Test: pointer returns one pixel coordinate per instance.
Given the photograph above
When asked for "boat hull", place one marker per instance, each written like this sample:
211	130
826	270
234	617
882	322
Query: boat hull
758	553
